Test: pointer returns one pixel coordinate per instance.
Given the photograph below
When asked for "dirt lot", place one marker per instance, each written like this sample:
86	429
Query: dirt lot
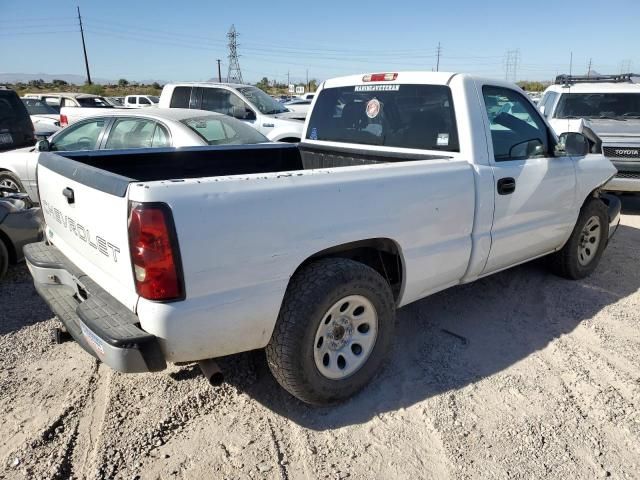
520	375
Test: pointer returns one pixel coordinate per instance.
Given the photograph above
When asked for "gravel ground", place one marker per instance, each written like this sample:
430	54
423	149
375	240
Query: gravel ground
520	375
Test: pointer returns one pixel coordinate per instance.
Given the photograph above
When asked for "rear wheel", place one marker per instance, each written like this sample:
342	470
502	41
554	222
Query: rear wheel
8	180
334	329
581	254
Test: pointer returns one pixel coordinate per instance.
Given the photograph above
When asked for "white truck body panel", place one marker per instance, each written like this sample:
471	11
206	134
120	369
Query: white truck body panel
251	247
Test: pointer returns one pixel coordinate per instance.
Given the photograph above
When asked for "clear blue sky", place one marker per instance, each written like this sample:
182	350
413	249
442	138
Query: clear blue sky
181	40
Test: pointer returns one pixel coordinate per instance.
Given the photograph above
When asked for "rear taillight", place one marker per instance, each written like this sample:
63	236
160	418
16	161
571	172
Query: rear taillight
154	252
380	77
64	121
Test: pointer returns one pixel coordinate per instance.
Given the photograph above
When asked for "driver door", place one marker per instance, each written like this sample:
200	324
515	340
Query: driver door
534	191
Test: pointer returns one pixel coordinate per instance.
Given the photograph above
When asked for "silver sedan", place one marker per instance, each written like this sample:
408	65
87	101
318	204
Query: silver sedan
120	129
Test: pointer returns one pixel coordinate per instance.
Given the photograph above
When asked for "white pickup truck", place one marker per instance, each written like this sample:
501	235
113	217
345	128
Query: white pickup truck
404	184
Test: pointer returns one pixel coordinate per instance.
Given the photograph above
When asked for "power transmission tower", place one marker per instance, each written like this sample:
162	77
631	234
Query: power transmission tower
234	75
589	69
438	52
84	48
511	61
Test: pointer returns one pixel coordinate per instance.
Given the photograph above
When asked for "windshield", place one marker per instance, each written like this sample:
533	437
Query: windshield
262	101
599	105
95	102
38	107
223	130
405	116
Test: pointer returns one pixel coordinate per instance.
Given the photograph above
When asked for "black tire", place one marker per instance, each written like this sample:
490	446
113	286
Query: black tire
8	178
4	259
311	292
566	263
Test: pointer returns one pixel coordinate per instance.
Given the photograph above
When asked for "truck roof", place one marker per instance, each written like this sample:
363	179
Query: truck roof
207	84
62	94
596	88
431	78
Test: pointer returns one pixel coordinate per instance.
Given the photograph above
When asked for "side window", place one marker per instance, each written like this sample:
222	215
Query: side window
131	133
131	100
517	131
160	137
180	97
67	102
548	101
83	136
54	102
143	101
219	100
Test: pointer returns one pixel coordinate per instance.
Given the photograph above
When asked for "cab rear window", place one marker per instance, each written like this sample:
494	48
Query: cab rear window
405	116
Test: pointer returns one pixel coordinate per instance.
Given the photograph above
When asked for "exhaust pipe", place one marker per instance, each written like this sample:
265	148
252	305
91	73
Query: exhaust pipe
211	372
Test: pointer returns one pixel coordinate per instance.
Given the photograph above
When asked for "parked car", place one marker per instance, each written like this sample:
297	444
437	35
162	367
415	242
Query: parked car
16	128
117	102
45	118
72	106
306	250
20	224
58	100
244	102
299	106
125	129
606	109
140	101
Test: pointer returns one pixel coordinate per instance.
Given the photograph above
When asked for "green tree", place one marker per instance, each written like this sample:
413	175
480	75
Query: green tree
93	89
123	82
156	85
263	84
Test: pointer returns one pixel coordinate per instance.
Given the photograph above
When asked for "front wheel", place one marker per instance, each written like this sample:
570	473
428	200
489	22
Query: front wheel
334	329
581	254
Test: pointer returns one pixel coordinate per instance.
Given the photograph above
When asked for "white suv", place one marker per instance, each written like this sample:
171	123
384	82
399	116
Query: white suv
140	101
607	110
244	102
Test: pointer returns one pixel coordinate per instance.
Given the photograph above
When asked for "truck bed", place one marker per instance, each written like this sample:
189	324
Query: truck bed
196	162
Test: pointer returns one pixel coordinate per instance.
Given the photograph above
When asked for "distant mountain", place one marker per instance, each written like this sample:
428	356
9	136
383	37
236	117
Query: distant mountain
67	77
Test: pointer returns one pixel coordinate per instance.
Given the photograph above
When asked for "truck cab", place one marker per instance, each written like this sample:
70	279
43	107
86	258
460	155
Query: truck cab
607	110
244	102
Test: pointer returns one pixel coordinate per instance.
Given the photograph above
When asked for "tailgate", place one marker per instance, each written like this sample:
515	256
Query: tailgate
86	215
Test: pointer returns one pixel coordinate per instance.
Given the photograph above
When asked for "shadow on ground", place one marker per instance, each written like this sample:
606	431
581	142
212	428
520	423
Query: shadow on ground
460	336
20	304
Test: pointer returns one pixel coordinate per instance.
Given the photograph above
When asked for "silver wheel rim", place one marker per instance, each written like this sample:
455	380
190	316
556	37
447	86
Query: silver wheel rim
8	183
345	337
589	241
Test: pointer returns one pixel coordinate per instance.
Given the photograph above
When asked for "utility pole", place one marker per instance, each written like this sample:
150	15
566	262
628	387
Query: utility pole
571	64
288	82
219	72
438	52
308	80
589	69
234	74
84	48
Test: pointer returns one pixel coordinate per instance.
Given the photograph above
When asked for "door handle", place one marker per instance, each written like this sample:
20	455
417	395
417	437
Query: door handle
67	192
506	186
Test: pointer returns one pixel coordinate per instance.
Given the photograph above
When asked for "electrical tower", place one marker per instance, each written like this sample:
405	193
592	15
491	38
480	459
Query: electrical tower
511	61
234	74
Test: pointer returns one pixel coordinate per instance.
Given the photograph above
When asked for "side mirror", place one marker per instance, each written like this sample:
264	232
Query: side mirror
541	108
527	149
242	113
573	144
43	146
